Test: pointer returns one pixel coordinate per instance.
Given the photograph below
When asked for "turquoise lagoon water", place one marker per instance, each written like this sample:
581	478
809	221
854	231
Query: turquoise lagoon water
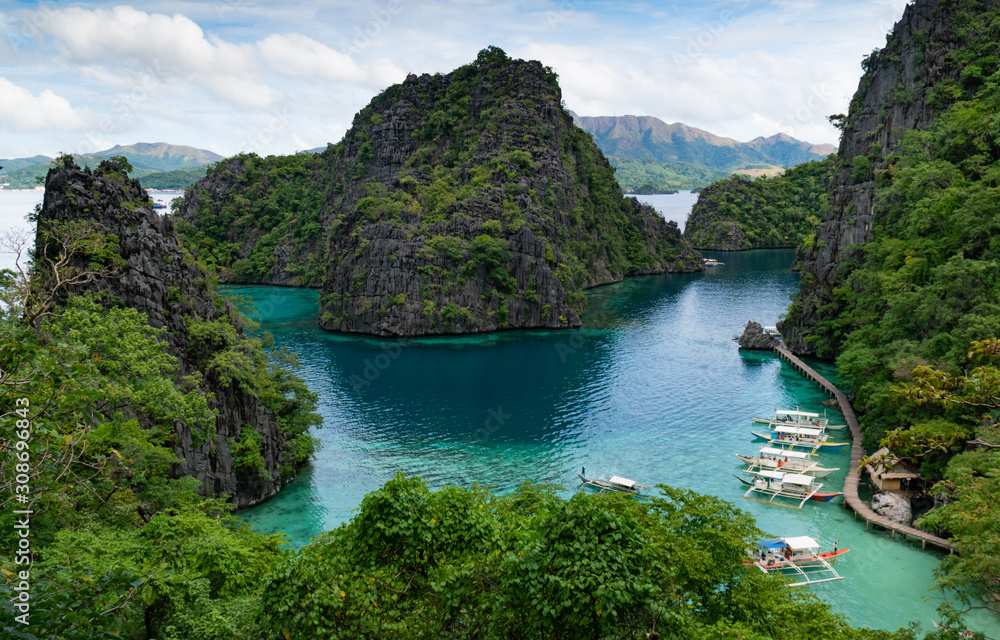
651	388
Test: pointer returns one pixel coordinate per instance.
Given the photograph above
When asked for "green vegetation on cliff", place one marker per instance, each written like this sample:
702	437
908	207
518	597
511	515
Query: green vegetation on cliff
913	311
739	213
256	205
649	176
456	203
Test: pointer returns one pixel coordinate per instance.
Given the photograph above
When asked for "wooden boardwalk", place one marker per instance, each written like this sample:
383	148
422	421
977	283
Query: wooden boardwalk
851	498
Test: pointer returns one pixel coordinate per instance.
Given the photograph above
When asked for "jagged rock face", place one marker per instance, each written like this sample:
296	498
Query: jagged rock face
892	98
892	506
527	215
164	283
754	337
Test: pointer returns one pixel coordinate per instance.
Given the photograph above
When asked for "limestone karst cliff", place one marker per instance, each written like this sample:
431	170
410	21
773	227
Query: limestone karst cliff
203	331
458	203
905	86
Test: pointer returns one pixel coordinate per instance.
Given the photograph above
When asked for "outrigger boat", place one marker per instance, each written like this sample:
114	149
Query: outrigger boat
784	460
786	485
796	418
799	437
613	483
799	555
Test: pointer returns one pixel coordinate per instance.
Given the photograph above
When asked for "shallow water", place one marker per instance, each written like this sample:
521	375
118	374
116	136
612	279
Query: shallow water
652	388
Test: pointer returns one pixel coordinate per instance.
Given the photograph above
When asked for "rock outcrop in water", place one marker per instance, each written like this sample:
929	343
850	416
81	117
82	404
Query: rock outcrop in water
163	282
458	203
900	90
754	337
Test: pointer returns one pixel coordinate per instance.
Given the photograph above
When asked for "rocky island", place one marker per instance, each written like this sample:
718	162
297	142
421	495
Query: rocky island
252	437
458	203
741	213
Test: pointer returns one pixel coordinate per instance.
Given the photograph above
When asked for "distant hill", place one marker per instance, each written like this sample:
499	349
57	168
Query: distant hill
697	157
13	164
160	156
159	165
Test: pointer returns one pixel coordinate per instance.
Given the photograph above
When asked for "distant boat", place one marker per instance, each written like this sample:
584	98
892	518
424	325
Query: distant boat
159	204
712	262
613	483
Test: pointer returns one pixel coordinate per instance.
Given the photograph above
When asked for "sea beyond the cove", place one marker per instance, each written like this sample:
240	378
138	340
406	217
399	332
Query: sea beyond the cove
652	388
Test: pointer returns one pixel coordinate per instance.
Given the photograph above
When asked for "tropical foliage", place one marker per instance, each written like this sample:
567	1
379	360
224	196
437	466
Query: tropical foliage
782	211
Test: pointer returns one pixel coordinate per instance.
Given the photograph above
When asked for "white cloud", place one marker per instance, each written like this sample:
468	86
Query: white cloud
299	56
136	43
22	111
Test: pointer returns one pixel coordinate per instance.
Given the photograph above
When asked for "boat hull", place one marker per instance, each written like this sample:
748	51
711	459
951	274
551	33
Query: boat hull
819	496
818	472
828	556
799	443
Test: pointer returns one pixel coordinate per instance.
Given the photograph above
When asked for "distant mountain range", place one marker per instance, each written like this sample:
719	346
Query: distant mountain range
158	164
646	150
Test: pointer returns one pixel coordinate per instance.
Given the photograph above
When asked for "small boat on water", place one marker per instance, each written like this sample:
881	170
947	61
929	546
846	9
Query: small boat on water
799	556
796	418
159	204
774	459
778	484
712	262
802	437
613	483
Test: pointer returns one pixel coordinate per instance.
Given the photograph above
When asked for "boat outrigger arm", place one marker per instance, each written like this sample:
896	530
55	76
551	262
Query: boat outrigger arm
809	566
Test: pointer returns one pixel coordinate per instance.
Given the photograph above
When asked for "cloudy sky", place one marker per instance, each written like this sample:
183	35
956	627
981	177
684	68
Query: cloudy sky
275	77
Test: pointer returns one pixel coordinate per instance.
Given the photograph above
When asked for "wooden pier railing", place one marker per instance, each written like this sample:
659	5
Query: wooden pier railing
851	498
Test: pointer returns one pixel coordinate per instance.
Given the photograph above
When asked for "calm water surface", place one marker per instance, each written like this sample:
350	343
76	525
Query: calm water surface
652	388
672	206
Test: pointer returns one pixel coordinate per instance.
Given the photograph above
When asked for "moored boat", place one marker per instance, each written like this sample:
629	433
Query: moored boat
613	483
785	460
794	486
802	437
796	418
799	556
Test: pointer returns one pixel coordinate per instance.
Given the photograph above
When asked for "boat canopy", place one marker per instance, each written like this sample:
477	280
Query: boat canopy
785	453
798	431
789	412
767	473
625	482
800	543
777	543
795	478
